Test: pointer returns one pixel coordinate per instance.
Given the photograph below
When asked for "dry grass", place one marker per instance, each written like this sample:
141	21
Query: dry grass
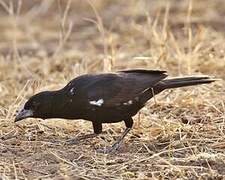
44	44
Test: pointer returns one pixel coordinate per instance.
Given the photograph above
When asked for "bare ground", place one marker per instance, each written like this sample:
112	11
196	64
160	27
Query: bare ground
179	134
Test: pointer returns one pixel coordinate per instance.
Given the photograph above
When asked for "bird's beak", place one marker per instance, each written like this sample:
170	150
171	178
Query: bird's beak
24	113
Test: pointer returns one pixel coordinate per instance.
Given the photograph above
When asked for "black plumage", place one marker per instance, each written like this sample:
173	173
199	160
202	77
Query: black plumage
104	98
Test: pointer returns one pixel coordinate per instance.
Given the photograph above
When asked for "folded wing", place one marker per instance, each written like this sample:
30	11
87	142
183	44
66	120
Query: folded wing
113	89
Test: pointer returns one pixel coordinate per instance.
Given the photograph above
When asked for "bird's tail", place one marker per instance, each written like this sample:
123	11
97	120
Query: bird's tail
185	81
174	83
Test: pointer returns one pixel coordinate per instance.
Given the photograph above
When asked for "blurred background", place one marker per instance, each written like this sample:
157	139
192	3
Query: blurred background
51	41
44	44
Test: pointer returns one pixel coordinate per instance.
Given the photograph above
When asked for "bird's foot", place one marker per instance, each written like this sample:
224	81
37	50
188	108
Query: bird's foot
115	146
72	141
109	150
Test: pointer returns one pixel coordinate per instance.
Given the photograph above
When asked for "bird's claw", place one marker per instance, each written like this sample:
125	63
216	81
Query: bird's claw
109	150
71	141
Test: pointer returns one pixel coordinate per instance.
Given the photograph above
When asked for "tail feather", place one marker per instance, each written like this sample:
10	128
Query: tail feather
174	83
185	81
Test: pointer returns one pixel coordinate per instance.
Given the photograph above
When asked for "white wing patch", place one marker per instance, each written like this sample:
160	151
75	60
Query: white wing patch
72	91
97	103
128	102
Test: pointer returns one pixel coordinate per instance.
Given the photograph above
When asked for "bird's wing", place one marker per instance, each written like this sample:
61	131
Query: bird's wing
112	89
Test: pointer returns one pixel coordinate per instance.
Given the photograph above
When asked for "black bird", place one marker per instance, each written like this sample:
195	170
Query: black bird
104	98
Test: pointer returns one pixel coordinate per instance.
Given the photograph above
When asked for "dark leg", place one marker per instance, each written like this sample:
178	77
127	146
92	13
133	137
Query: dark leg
116	145
97	127
97	130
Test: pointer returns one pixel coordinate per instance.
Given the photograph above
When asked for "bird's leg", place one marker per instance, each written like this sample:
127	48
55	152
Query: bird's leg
97	130
97	127
116	145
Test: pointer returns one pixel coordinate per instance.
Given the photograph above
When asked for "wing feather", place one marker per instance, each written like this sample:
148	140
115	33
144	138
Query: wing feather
116	88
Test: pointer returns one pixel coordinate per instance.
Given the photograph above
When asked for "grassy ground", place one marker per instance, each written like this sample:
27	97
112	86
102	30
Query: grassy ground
179	134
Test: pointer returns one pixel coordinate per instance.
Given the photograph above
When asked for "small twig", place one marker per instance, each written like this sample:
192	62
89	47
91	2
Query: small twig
15	171
61	159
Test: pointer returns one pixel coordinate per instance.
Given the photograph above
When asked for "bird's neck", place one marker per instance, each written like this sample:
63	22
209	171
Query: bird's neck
60	105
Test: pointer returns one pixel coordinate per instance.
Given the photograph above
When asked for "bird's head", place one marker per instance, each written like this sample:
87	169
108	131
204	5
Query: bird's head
38	106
